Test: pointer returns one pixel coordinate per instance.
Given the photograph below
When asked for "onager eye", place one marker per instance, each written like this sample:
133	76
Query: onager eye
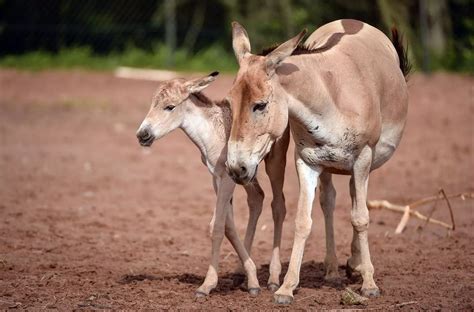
169	107
260	106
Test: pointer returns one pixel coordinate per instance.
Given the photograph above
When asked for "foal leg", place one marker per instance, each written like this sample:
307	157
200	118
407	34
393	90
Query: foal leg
224	212
308	178
327	200
275	164
213	219
249	266
255	196
360	223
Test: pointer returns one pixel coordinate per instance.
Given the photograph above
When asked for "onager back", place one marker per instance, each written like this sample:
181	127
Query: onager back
345	95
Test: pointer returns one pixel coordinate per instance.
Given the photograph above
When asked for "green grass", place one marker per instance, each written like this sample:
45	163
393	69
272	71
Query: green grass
210	59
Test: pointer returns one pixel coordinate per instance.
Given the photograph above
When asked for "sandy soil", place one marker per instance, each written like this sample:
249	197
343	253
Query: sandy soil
90	220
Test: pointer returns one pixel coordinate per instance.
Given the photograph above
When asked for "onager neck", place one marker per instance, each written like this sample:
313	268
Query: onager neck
207	124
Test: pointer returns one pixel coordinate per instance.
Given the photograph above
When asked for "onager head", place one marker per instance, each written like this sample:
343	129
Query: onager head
259	112
168	107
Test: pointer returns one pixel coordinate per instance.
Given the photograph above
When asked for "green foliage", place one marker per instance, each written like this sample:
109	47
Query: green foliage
210	59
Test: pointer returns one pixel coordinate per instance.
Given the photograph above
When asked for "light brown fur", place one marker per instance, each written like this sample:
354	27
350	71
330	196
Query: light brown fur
179	103
346	100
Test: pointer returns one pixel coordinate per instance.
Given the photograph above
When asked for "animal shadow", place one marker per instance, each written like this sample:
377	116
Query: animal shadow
311	276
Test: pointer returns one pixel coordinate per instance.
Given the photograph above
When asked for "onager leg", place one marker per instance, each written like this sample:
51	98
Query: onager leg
308	178
249	266
255	196
275	164
223	211
360	260
327	200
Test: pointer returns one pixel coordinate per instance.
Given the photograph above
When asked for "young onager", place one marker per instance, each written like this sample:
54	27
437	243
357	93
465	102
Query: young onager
179	103
346	97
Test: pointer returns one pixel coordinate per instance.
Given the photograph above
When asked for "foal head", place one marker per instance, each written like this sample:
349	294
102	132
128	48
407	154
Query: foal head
168	107
259	112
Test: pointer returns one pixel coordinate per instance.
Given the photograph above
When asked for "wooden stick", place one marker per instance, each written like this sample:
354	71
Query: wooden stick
426	200
374	204
403	221
408	209
449	207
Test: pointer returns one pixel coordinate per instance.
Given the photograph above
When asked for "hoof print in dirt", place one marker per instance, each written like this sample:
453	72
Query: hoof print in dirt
350	297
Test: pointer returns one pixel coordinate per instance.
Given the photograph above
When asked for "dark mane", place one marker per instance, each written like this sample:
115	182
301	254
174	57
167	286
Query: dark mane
207	101
300	49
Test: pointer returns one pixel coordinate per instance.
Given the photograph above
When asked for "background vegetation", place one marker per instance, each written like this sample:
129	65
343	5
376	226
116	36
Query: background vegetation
195	35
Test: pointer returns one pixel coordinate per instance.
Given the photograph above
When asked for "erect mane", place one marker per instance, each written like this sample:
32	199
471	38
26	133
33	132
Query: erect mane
207	101
300	49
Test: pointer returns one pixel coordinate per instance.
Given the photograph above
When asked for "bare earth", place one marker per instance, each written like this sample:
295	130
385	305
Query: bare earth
90	220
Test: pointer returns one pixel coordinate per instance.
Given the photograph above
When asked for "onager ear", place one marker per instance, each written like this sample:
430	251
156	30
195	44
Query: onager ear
283	51
240	41
199	84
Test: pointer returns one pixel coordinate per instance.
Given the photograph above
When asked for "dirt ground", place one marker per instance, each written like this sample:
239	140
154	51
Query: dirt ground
91	220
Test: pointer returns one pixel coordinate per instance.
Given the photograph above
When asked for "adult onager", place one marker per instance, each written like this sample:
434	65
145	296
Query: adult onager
345	95
179	103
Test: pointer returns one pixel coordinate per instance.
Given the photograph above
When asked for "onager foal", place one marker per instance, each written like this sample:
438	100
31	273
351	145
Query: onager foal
346	97
179	103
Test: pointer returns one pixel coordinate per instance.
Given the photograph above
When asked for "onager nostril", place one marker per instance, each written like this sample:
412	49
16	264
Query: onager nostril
144	135
243	170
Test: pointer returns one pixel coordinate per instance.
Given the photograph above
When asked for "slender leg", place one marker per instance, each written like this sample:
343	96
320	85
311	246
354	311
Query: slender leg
327	200
224	212
249	266
213	219
354	261
275	164
308	178
360	223
255	196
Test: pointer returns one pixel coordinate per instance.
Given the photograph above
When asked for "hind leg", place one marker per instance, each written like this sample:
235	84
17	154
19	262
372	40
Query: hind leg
360	260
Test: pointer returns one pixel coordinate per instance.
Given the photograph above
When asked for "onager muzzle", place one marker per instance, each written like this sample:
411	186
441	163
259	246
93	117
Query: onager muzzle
145	136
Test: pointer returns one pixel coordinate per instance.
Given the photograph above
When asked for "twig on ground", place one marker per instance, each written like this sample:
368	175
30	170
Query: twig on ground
377	204
399	305
403	221
408	210
449	207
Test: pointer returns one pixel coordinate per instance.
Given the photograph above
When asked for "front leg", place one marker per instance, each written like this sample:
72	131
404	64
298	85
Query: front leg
308	178
225	190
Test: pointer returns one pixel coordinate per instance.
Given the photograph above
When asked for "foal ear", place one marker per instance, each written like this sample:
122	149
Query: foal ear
199	84
240	41
283	51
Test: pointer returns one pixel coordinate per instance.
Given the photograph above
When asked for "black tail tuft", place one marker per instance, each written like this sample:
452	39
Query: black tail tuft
397	40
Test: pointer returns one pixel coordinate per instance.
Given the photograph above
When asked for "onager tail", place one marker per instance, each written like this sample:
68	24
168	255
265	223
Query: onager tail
397	40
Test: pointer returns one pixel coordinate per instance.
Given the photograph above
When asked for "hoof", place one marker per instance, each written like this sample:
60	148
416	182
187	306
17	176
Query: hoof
254	292
370	292
200	294
273	287
283	299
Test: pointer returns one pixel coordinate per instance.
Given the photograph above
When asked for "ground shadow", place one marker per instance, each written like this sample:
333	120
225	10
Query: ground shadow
311	276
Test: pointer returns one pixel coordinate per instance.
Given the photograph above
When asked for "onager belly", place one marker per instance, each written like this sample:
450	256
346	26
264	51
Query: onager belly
337	152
